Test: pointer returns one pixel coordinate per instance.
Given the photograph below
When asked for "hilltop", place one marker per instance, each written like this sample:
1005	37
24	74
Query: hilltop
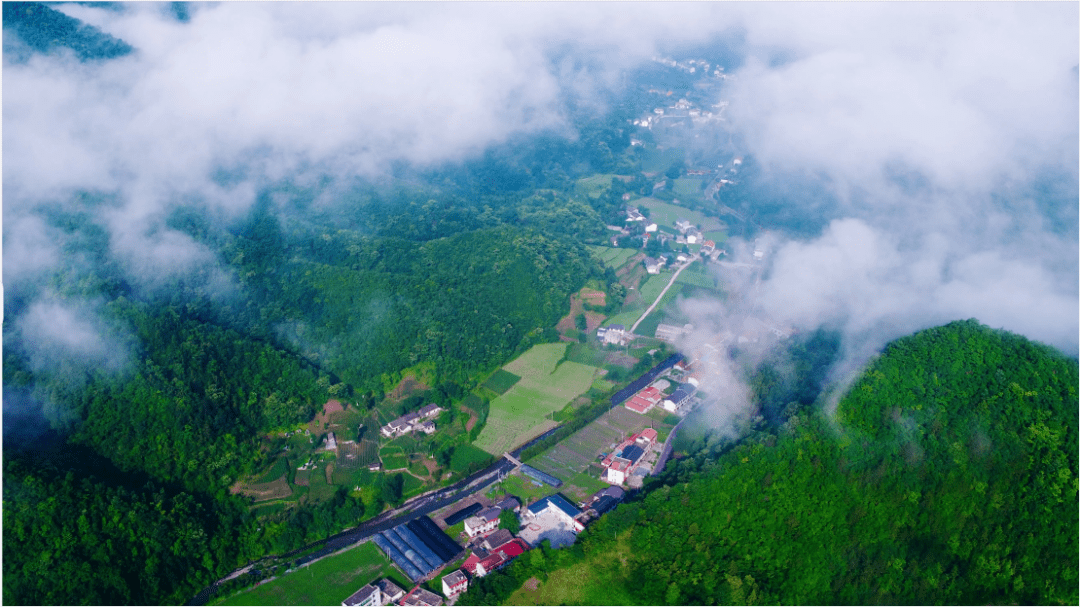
948	475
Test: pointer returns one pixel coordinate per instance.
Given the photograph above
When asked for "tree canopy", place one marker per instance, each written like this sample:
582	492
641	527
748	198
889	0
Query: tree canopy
948	475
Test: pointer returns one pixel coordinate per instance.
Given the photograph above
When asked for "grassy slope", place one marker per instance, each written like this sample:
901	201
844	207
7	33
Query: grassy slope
325	582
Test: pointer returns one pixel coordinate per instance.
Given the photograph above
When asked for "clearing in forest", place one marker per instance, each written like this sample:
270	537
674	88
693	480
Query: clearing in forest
524	410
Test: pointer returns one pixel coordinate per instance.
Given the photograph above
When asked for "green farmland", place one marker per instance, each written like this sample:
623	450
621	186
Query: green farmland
546	386
596	185
612	257
666	214
570	459
698	275
328	581
501	381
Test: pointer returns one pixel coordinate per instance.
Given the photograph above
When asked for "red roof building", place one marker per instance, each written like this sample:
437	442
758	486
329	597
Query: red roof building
619	464
644	400
481	563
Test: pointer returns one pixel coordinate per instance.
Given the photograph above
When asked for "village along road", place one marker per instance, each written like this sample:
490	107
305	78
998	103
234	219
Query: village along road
414	508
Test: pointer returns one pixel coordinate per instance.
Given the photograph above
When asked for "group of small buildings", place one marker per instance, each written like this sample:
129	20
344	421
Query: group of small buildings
410	422
649	397
379	592
487	520
622	462
644	401
614	334
671	333
386	592
419	548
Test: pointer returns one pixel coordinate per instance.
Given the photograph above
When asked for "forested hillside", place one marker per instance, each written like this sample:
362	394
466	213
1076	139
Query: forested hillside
948	475
463	302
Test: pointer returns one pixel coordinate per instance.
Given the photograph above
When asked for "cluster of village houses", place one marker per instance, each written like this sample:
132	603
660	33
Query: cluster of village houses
688	234
420	553
411	422
421	550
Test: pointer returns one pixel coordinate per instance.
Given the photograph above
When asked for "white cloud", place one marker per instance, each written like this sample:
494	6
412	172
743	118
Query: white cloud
973	100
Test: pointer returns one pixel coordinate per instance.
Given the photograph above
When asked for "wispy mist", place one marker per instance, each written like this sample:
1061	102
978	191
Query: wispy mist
946	133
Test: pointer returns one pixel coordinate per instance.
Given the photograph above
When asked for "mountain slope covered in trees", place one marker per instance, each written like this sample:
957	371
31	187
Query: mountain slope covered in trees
948	475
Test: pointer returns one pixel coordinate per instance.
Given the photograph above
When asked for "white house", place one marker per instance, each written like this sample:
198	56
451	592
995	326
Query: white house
368	596
455	583
483	522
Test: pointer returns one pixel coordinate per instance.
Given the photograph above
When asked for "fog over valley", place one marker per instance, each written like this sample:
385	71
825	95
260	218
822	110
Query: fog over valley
230	213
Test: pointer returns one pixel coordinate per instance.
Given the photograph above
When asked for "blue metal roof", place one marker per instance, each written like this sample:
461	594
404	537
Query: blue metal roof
679	395
543	477
559	502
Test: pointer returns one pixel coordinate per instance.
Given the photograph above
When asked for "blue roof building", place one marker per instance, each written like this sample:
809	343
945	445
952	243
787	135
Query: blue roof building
543	477
555	501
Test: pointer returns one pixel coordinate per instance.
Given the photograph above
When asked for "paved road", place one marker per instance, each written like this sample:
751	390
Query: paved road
661	295
414	508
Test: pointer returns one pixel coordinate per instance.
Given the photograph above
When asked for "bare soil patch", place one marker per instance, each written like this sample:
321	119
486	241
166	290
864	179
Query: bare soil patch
631	268
594	297
261	492
405	388
592	319
532	584
332	406
473	418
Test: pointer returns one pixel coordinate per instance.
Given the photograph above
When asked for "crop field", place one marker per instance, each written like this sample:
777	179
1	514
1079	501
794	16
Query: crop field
612	257
395	462
658	161
667	214
303	477
328	581
698	275
573	455
717	236
501	381
274	472
688	187
522	412
595	185
627	318
538	362
467	454
648	326
503	434
652	288
319	489
586	354
352	456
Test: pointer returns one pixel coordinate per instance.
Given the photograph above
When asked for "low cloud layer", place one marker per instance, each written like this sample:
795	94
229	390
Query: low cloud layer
946	132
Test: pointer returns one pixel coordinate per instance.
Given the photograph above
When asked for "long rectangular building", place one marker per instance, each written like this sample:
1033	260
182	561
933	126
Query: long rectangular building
418	547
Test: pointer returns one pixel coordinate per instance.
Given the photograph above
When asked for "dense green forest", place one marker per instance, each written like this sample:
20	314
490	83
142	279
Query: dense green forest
331	301
947	475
